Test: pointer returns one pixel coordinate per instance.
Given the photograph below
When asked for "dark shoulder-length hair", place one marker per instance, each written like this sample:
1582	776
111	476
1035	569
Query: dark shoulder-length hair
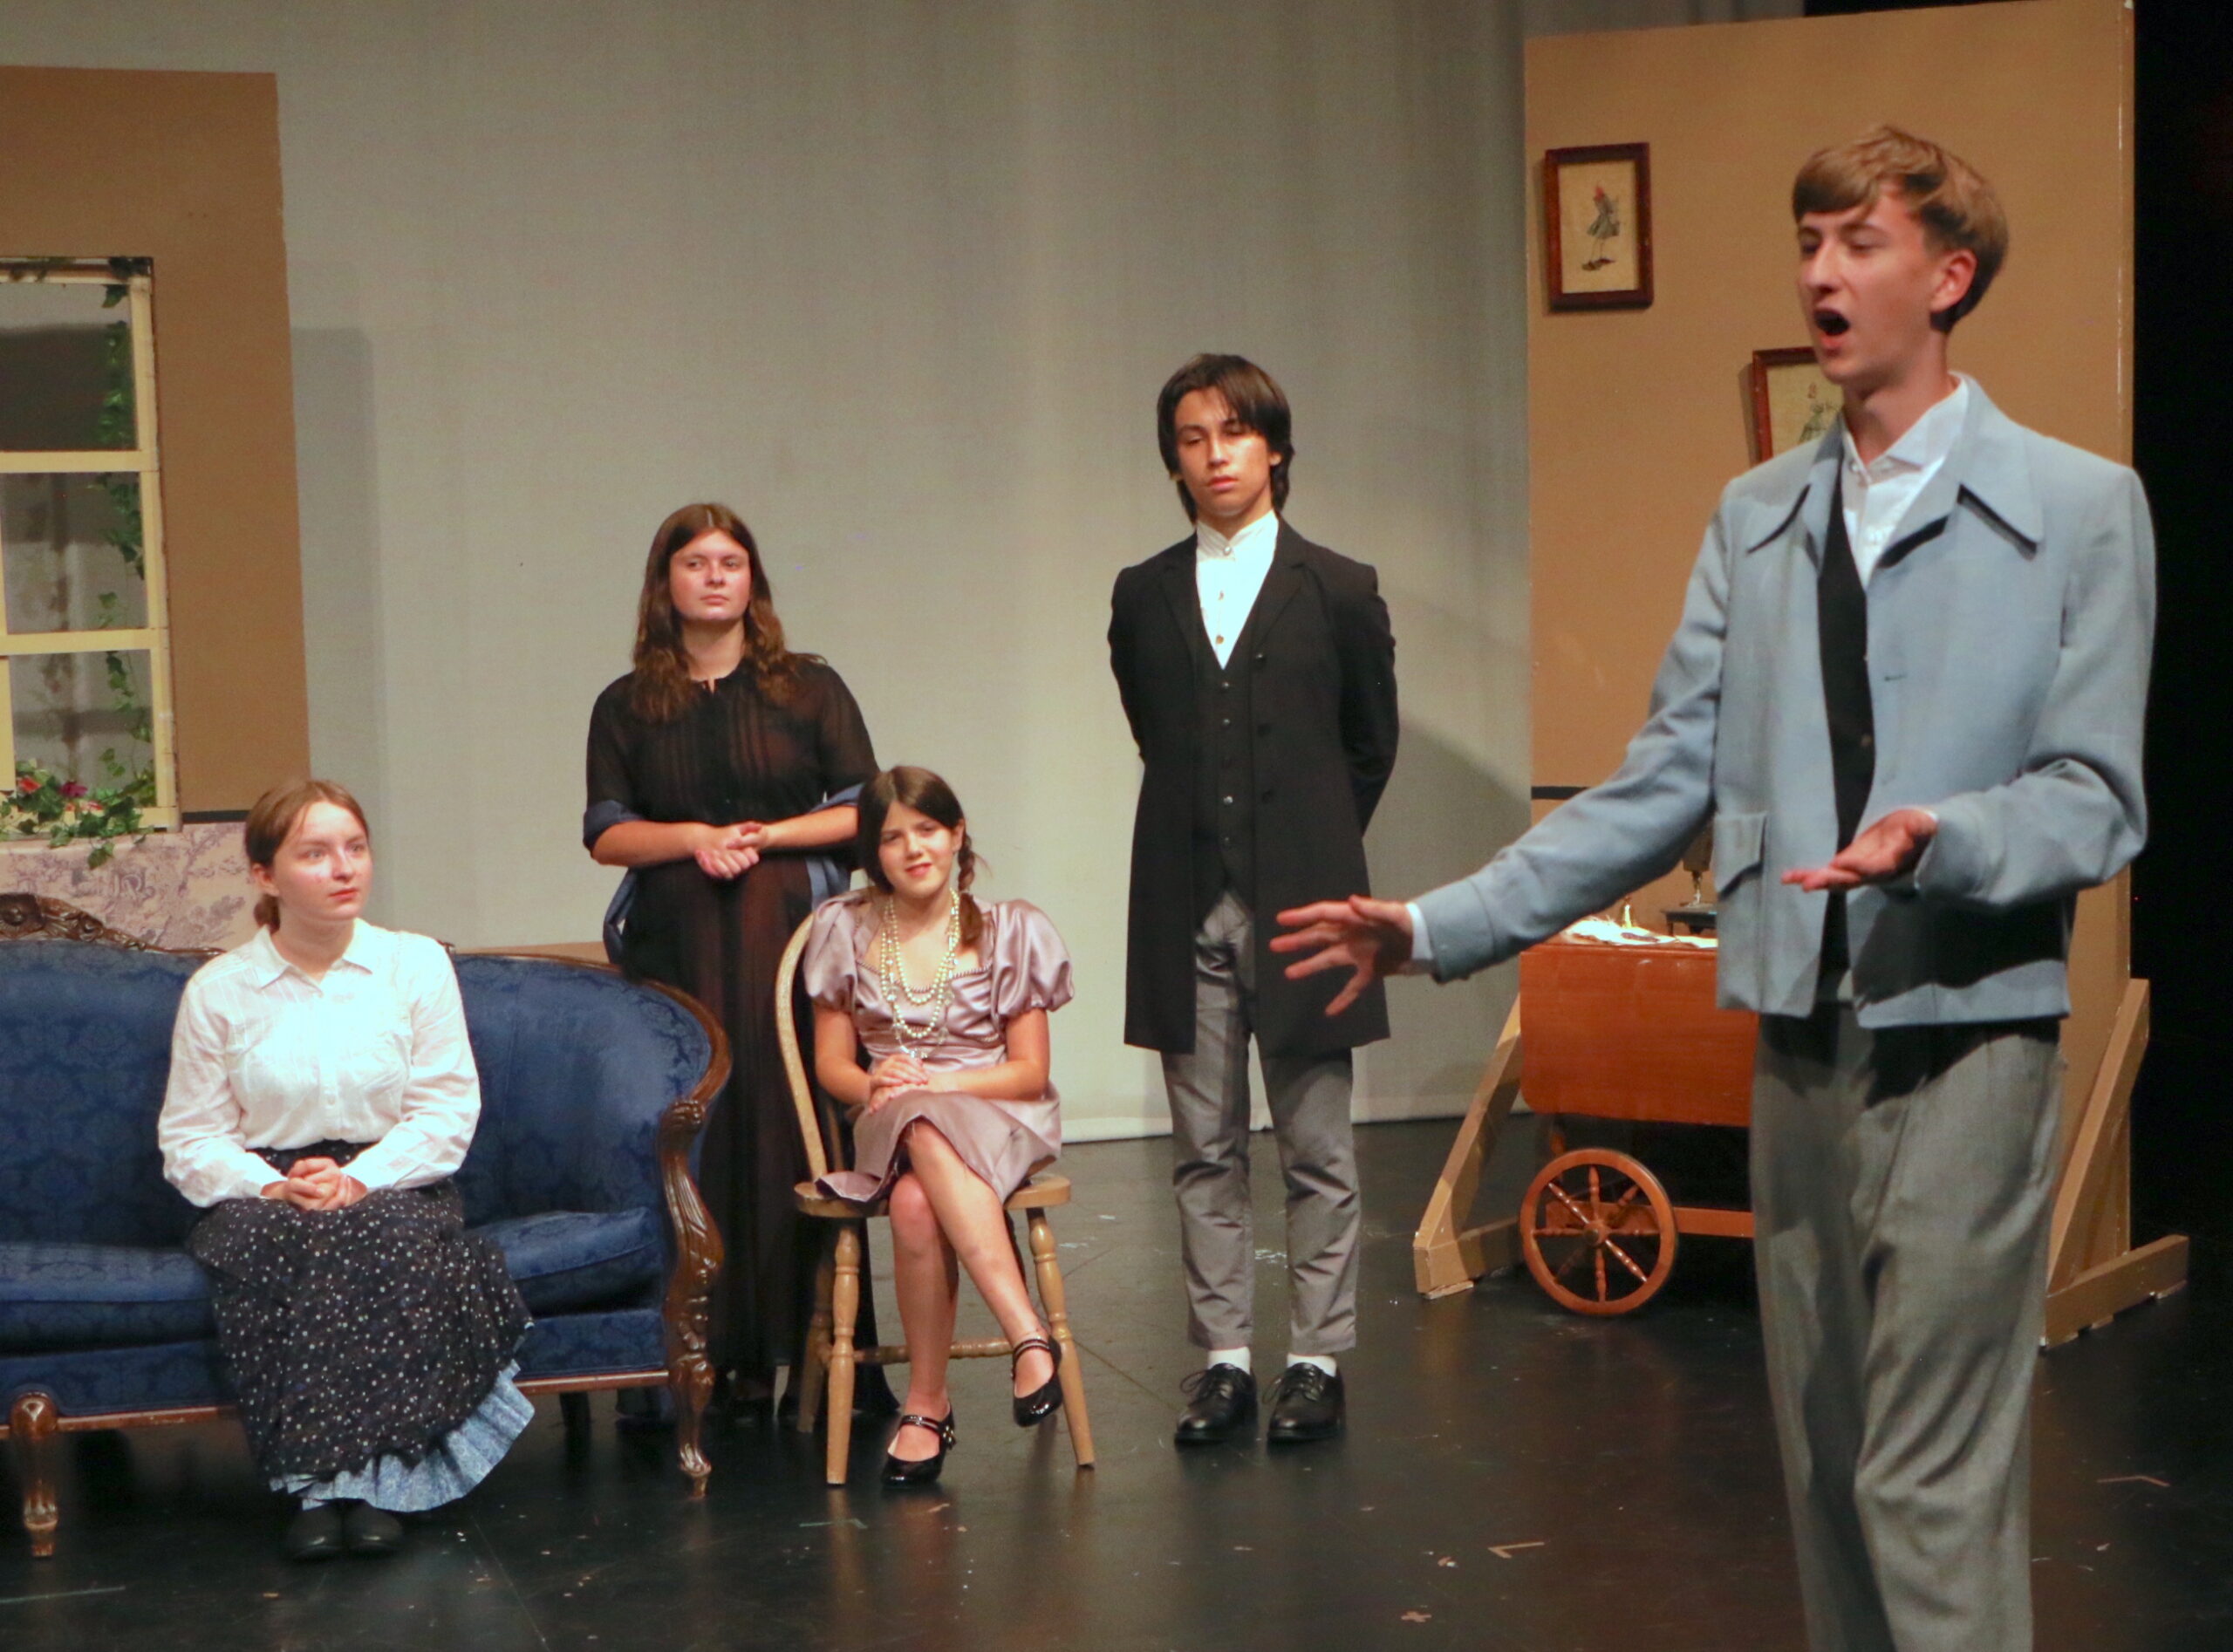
659	688
926	794
272	821
1257	401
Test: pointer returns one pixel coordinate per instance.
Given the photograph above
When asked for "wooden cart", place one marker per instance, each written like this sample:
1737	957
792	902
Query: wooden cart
1631	1033
1625	1032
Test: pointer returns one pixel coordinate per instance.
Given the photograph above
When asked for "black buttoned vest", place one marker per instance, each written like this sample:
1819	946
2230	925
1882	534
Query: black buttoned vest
1224	768
1841	611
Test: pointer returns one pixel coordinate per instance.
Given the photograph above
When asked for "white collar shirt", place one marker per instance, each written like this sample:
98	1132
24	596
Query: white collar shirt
1876	495
374	1051
1228	574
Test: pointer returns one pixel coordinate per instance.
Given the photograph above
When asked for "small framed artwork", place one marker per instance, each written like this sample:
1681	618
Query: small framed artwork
1597	227
1793	404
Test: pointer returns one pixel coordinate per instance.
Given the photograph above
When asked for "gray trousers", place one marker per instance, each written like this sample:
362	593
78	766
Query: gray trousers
1309	1100
1902	1183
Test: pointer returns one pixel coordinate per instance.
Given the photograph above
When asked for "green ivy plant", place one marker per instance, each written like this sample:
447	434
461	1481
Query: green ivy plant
42	804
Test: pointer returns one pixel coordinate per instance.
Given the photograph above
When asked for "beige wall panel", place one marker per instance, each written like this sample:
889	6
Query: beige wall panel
184	168
1638	418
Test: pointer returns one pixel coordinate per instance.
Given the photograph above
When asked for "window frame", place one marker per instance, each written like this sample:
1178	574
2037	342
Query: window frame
144	460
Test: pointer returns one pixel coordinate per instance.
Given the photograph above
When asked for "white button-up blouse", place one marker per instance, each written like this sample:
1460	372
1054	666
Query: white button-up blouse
262	1056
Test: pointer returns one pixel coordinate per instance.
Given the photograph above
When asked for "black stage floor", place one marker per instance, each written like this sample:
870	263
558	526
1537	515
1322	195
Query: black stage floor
1513	1478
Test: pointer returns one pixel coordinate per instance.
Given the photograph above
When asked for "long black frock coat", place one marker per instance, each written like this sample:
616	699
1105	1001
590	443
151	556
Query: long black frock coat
1324	741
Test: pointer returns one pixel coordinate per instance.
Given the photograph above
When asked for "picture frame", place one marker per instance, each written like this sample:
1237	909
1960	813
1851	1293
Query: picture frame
1793	403
1597	227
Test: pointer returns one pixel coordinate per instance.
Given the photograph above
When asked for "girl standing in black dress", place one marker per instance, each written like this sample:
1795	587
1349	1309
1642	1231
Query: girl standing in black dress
721	771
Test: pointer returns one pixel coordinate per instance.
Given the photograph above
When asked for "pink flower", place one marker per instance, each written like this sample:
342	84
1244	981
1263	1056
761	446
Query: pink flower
73	789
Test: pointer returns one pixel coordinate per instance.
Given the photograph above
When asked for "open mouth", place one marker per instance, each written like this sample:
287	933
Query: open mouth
1830	323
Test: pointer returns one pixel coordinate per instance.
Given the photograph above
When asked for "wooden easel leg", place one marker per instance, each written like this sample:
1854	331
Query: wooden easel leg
845	1307
1053	1299
1445	1257
31	1425
813	1378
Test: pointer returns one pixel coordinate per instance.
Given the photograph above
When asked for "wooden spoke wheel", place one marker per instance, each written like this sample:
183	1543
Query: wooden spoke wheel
1598	1231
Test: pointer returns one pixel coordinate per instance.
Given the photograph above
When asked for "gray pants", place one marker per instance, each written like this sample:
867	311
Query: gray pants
1309	1099
1902	1183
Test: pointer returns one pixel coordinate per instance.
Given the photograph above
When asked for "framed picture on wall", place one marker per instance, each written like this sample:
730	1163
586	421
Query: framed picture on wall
1793	404
1597	227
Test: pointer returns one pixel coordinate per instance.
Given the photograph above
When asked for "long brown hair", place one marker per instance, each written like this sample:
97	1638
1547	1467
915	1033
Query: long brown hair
658	689
274	819
925	794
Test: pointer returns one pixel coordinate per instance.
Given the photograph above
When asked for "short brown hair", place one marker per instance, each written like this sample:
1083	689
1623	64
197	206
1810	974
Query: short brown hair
1257	401
274	818
1958	207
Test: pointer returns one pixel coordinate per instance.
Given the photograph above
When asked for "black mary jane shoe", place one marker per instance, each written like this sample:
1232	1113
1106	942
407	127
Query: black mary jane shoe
315	1534
899	1471
1045	1400
372	1532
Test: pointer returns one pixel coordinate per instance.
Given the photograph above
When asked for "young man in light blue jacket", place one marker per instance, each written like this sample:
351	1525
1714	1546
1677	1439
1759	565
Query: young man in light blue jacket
1907	690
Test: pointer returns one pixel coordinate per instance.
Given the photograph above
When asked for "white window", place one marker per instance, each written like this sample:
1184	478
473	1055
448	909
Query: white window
84	644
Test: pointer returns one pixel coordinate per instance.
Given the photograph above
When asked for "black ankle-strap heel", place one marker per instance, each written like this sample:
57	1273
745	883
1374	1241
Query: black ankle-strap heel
899	1471
1044	1401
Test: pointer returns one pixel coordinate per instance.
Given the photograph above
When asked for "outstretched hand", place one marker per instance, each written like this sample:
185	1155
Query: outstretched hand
1882	851
1373	938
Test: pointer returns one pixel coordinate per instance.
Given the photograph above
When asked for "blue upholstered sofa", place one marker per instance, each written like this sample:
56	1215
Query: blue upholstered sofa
593	1093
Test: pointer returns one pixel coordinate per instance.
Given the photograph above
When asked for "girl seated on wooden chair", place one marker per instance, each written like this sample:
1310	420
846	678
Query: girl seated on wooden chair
948	995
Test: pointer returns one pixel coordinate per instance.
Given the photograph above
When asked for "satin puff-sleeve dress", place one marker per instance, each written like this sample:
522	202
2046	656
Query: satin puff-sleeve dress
1021	966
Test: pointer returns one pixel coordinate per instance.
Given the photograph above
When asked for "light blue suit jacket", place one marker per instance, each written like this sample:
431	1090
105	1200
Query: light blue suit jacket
2010	625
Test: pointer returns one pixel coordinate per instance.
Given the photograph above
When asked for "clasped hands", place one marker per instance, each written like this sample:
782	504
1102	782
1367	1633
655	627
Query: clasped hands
898	1073
730	852
1373	938
317	1185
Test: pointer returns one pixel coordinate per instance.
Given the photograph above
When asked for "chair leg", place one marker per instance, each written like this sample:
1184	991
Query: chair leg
845	1307
691	1381
1051	1298
31	1425
816	1374
574	1407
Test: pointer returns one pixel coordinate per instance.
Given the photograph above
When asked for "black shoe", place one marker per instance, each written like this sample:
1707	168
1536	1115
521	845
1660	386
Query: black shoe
1045	1400
1221	1402
1307	1405
372	1532
315	1534
899	1471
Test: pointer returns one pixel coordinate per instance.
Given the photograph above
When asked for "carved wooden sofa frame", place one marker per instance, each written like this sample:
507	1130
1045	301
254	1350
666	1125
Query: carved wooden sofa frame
34	1418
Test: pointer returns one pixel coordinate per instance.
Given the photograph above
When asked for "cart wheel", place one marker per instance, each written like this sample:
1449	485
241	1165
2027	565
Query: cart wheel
1598	1231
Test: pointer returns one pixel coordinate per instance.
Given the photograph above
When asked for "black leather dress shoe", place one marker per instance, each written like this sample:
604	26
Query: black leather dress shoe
1220	1403
315	1534
372	1532
1307	1405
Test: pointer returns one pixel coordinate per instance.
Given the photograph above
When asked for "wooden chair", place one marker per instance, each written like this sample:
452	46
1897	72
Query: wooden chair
831	1358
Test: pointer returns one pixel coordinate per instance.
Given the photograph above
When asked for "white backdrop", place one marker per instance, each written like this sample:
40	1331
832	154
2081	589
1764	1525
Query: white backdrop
899	282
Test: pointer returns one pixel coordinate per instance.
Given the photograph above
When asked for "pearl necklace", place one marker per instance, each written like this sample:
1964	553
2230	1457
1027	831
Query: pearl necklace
916	1037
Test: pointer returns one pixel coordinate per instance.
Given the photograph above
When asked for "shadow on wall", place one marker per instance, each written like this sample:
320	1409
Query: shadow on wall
343	618
1443	817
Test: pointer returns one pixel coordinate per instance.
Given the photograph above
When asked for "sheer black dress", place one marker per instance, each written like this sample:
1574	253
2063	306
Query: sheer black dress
735	755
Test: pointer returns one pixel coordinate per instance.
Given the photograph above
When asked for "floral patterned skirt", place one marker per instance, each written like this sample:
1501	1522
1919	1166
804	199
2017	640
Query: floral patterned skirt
366	1332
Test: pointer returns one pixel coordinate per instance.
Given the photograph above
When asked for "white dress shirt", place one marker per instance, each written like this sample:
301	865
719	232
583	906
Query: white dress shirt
1874	498
1228	573
261	1055
1876	495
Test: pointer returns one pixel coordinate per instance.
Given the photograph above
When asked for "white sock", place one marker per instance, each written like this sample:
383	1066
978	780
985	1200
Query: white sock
1323	1362
1237	1357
